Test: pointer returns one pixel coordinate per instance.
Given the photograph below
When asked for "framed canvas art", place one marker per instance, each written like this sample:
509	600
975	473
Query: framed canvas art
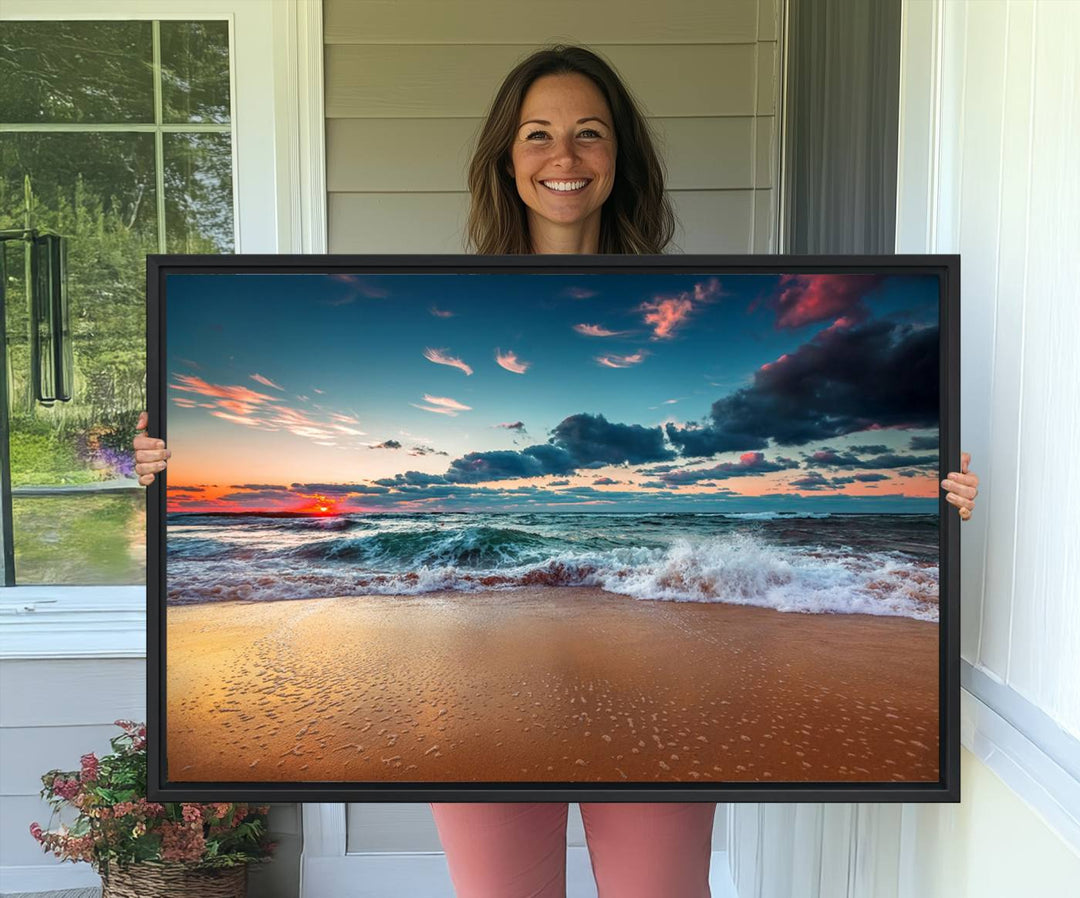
467	528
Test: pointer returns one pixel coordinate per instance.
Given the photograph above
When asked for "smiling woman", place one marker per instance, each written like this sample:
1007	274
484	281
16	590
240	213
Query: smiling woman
560	118
564	164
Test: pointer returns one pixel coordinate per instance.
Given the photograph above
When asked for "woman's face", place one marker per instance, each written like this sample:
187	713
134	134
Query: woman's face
565	136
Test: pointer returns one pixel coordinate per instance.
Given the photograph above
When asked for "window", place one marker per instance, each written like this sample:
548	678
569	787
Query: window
116	135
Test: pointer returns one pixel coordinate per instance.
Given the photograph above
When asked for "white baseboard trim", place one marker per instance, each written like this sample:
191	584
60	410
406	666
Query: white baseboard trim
425	875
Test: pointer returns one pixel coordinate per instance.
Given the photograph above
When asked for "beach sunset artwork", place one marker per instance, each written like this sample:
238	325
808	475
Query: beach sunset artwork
552	528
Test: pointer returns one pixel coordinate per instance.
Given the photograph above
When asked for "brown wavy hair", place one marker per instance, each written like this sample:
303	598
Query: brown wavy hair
636	217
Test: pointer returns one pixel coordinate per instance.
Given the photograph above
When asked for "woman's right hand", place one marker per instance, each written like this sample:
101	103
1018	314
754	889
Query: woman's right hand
150	453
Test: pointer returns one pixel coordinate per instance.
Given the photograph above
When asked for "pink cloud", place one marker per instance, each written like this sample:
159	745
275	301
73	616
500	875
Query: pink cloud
665	315
807	298
596	330
447	402
669	313
440	313
191	384
439	357
621	361
266	382
236	419
435	409
510	362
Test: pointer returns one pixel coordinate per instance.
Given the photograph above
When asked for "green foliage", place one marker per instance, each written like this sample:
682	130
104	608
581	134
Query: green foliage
117	825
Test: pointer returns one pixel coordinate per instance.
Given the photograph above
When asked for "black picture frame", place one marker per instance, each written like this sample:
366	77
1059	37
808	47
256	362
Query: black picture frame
947	789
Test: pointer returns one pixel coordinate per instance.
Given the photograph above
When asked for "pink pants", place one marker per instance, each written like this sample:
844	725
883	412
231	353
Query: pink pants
650	850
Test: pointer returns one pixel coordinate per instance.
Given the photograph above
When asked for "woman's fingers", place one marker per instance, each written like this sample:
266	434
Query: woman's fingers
149	455
144	419
964	487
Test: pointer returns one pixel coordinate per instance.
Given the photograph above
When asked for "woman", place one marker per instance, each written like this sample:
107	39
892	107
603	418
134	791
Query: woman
565	164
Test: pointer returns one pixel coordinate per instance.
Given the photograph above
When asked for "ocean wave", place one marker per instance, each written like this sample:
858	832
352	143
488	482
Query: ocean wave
737	568
467	547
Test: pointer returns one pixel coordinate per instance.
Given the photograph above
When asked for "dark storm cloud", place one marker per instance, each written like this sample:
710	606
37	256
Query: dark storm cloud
923	443
812	481
844	380
592	438
863	449
533	461
830	458
870	478
256	486
513	425
605	481
337	489
750	464
387	444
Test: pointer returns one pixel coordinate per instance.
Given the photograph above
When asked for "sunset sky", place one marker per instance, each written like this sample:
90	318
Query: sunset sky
608	392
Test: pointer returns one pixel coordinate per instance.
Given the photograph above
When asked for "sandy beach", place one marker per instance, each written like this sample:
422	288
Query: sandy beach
562	684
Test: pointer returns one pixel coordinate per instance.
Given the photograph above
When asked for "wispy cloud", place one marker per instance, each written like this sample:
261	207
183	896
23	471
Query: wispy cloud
266	382
237	419
447	402
510	362
437	410
439	357
665	316
668	314
440	313
596	330
512	425
442	405
579	292
621	361
191	384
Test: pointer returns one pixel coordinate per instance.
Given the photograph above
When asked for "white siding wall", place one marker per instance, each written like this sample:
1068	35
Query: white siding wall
989	149
408	82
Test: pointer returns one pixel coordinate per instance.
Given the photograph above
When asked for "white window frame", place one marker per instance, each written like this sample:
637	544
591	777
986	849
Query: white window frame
279	206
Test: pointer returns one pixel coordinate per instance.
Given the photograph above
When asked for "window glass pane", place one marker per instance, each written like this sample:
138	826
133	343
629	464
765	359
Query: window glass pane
81	539
79	514
195	72
76	72
198	193
98	191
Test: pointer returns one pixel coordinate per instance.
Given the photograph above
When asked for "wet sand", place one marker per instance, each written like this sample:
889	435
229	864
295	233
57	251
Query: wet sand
546	685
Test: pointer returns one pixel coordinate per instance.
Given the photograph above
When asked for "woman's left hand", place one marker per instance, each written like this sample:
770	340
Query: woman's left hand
962	487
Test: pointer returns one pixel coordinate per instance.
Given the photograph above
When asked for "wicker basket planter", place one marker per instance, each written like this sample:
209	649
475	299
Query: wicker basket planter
171	880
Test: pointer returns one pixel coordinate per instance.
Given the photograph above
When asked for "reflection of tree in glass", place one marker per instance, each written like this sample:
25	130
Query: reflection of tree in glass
99	189
76	72
195	72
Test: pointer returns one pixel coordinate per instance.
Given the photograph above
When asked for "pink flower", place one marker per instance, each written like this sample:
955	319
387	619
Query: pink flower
89	768
36	831
181	842
192	813
65	788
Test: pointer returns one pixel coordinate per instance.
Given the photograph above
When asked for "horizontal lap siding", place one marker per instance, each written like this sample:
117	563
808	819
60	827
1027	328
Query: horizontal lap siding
53	712
408	84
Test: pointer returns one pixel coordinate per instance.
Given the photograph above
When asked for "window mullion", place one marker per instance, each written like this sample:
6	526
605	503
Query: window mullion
159	137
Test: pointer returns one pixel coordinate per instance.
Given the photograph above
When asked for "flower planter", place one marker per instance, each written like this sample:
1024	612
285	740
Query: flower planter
172	880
